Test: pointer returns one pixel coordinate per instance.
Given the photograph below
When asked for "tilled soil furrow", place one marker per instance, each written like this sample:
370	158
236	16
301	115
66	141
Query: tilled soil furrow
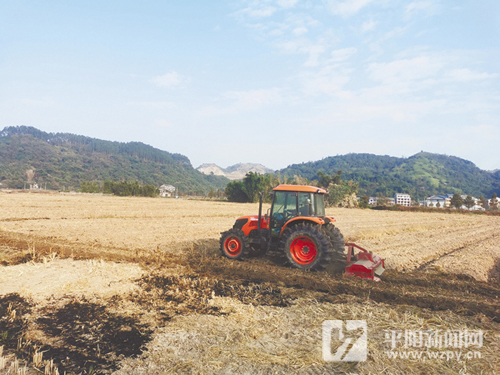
435	291
474	243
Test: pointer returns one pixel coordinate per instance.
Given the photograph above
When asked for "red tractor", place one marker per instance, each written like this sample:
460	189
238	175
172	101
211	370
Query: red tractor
298	227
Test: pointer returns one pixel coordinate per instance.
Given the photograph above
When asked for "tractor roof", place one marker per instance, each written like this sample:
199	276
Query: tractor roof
302	188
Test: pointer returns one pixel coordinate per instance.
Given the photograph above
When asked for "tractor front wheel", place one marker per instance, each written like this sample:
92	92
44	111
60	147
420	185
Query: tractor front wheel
234	244
306	247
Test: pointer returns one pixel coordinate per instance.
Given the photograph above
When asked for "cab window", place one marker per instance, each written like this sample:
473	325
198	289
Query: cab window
306	207
319	204
284	207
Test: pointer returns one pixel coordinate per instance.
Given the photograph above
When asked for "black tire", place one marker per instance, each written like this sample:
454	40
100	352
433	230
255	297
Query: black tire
306	247
234	244
337	242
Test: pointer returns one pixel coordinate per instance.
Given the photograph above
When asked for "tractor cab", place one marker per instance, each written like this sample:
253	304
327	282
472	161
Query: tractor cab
293	203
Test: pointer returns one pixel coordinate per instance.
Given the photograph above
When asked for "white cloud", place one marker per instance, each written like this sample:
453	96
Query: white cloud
305	46
429	7
406	70
396	32
368	26
343	54
329	81
314	52
287	3
347	8
297	25
170	79
260	11
362	109
298	31
242	101
466	75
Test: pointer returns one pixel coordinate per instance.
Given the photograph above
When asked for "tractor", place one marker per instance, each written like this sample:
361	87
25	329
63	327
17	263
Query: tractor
296	226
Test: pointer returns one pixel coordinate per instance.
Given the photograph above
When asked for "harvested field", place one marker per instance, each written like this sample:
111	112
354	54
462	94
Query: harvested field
105	284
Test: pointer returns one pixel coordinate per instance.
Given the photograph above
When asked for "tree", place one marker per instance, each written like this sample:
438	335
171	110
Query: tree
457	201
253	184
341	194
129	188
438	205
149	191
494	202
211	193
325	180
469	202
364	202
30	175
90	187
483	202
235	193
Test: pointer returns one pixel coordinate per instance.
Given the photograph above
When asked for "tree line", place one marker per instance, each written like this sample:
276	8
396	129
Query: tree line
121	188
248	189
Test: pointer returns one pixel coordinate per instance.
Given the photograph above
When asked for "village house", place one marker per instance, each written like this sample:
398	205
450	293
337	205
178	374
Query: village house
167	190
402	199
438	201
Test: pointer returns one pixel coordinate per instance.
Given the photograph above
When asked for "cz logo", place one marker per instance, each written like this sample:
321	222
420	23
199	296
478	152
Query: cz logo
352	349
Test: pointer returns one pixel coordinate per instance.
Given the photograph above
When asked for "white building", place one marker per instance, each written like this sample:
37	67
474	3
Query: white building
438	201
477	204
167	190
372	201
402	199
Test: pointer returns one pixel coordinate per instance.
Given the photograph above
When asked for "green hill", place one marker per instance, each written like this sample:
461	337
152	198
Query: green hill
63	160
420	175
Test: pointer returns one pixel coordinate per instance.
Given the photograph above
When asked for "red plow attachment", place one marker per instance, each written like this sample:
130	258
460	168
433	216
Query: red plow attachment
364	264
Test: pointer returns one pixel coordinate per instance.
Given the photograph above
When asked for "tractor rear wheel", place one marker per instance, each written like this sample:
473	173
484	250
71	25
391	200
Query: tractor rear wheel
234	244
337	241
306	247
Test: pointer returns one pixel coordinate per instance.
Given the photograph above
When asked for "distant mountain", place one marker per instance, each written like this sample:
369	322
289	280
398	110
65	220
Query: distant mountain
209	168
64	160
234	172
420	175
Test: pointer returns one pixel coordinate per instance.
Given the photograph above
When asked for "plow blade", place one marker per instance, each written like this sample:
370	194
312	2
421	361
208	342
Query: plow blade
364	264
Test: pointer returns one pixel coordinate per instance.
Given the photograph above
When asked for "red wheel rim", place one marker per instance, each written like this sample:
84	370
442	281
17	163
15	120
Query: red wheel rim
303	250
232	245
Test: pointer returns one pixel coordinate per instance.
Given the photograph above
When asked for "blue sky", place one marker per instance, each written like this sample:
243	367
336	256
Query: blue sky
274	82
